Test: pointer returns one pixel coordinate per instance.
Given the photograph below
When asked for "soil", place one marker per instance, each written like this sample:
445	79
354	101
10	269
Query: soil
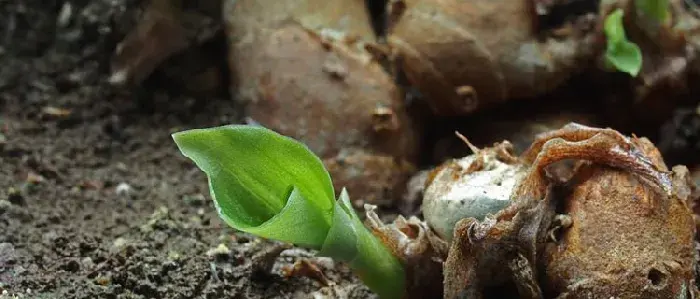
95	199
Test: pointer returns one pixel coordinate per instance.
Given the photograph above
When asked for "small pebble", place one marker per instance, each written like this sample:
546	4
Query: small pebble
297	252
35	178
103	280
124	189
121	166
49	237
220	251
158	220
75	190
64	16
325	262
119	243
173	256
87	262
56	112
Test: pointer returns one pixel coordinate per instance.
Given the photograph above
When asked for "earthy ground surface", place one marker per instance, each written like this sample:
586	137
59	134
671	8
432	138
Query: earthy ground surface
95	199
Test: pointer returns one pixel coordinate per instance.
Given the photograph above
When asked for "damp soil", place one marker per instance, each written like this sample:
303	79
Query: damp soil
95	199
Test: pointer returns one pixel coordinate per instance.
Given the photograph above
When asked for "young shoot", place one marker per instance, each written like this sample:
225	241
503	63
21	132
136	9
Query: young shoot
655	9
274	187
620	53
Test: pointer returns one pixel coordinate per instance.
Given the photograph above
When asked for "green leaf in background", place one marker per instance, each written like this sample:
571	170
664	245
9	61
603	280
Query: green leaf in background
258	176
626	57
622	54
656	9
614	29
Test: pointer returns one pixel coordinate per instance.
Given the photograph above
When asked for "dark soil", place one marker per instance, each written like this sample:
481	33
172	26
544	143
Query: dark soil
95	199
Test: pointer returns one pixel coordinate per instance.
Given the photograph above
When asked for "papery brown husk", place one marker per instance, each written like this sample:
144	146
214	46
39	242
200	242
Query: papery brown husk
630	235
421	252
625	242
484	130
302	69
494	258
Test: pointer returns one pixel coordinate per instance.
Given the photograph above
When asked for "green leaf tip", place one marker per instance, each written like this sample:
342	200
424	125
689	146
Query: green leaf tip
620	53
255	174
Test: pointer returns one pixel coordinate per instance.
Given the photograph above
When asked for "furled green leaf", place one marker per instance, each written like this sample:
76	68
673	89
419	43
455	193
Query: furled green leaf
656	9
253	172
614	29
622	54
341	241
274	187
299	222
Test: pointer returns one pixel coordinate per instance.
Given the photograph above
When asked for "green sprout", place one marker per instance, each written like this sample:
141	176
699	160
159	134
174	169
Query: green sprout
656	9
274	187
620	53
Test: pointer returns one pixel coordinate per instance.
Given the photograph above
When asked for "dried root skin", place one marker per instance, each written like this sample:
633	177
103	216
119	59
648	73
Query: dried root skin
602	146
419	249
166	29
464	55
480	250
249	18
632	232
461	277
622	226
381	177
625	241
158	35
